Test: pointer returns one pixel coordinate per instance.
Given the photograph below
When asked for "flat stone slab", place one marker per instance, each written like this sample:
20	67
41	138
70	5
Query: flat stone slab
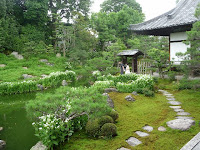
132	141
168	94
175	107
39	146
171	99
174	102
148	128
181	124
183	113
183	117
123	148
193	144
2	65
141	134
178	110
162	129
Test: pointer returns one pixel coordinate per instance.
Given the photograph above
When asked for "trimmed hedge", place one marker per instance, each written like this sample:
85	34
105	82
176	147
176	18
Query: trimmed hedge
53	79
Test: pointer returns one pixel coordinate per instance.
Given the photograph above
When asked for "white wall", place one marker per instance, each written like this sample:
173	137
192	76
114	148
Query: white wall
177	46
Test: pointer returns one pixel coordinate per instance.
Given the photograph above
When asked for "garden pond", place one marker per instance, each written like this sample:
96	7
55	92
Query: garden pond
18	131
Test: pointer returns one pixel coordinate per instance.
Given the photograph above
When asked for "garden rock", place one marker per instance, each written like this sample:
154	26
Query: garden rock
162	129
18	56
108	90
167	94
181	124
135	93
148	128
44	76
141	134
58	55
64	83
132	141
109	100
49	64
171	99
174	103
1	128
2	144
175	107
123	148
26	76
129	98
40	87
25	67
43	60
2	65
39	146
183	113
183	117
178	110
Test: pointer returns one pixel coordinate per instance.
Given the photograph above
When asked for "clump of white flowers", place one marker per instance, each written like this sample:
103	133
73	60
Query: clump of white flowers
96	73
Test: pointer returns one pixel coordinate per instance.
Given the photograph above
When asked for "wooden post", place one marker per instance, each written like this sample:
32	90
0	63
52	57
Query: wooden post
135	65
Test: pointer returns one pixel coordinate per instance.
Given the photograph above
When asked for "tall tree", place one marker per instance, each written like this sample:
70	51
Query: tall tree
116	5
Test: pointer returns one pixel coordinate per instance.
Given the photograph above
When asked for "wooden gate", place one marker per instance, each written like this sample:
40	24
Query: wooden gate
144	67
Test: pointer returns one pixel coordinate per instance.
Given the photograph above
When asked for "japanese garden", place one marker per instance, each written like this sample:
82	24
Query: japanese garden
72	79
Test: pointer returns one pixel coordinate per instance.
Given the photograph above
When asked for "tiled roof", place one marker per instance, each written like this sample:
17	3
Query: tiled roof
130	53
182	14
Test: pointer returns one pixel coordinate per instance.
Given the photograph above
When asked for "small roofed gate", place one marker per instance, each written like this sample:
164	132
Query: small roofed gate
131	53
144	67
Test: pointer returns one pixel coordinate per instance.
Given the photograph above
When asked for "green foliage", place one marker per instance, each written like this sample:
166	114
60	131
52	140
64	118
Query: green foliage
188	84
160	58
105	119
54	79
109	130
116	5
114	114
148	92
92	128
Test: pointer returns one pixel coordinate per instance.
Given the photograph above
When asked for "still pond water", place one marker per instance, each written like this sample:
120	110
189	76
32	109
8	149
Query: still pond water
18	131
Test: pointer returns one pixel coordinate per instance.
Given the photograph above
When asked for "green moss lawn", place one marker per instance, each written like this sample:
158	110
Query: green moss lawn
133	116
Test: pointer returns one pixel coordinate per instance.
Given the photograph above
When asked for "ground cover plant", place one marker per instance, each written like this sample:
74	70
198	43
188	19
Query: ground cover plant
152	111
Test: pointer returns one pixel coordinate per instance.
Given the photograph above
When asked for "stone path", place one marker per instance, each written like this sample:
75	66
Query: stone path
183	121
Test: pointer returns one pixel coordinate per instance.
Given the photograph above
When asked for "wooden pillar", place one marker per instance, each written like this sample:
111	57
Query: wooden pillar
132	63
135	65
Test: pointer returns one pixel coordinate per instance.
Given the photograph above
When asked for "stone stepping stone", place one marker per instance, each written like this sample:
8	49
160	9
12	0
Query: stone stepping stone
171	99
183	117
175	107
2	65
162	91
123	148
183	113
141	134
148	128
132	141
181	124
174	103
167	94
162	129
178	110
43	60
25	67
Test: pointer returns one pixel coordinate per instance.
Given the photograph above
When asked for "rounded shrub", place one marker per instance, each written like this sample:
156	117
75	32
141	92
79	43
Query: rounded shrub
114	114
109	130
105	119
92	128
148	93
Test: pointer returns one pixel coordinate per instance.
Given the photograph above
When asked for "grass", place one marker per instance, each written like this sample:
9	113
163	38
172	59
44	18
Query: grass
14	67
144	111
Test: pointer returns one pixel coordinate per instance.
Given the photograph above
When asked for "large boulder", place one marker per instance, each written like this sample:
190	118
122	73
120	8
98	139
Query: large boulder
39	146
108	90
109	100
130	98
2	144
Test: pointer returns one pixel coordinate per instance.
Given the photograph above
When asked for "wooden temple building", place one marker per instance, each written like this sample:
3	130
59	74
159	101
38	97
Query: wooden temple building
173	24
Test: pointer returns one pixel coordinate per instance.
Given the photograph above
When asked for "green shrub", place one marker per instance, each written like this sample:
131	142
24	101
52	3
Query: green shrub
92	128
114	114
188	84
148	92
105	119
109	130
172	75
